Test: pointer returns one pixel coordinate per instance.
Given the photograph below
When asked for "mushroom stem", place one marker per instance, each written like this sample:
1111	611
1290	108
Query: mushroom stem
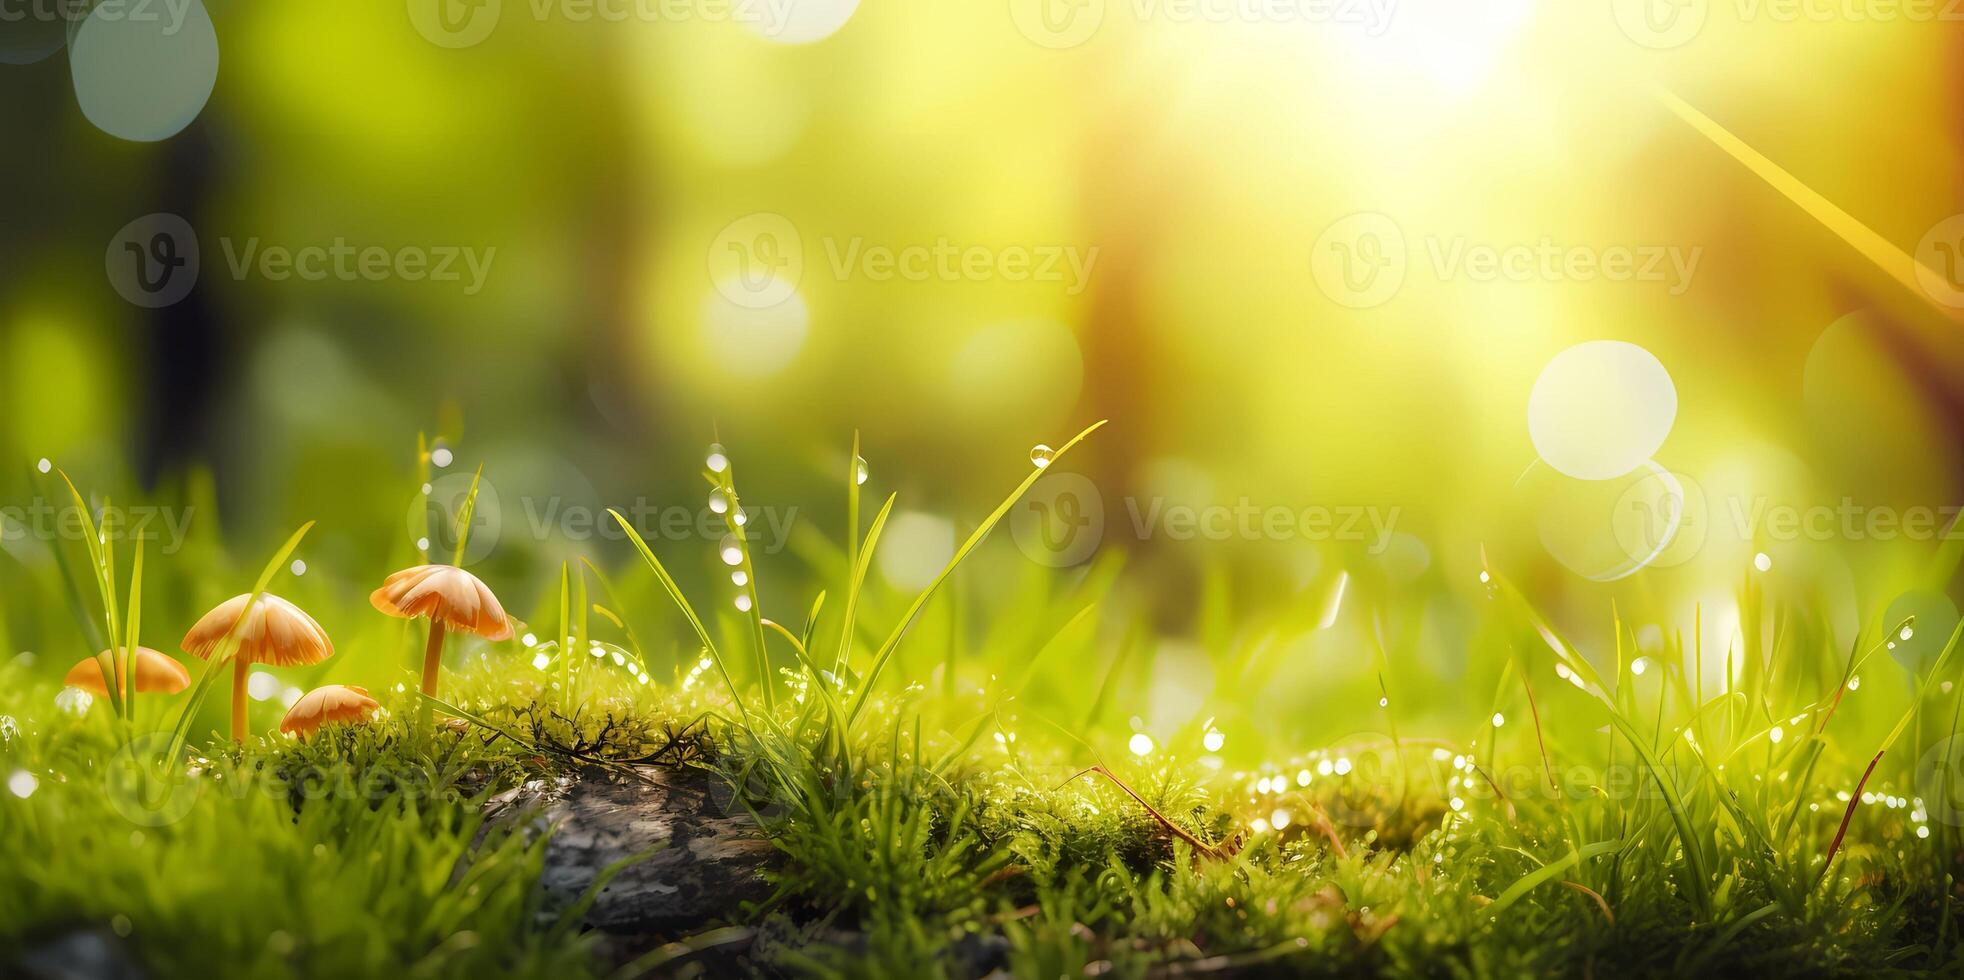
238	698
433	658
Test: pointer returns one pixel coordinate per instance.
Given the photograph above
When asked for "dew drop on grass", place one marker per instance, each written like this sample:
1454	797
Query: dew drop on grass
1763	562
732	555
539	661
422	544
74	700
1041	455
738	579
1499	719
859	470
1140	743
299	567
718	504
717	462
22	783
441	457
44	465
743	603
1213	741
741	518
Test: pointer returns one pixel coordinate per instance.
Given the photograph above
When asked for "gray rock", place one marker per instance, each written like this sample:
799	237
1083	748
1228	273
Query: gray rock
79	955
711	856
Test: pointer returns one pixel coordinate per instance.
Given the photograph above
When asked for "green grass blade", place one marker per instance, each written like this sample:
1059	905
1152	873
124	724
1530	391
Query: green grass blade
988	524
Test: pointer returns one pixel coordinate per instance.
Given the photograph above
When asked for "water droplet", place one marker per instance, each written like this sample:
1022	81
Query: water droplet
1854	682
1213	741
1140	743
44	465
74	700
428	489
299	567
540	660
1041	455
440	457
859	470
732	555
743	603
741	518
718	503
1499	719
1384	702
717	462
22	783
739	579
422	544
1763	561
1638	666
1907	633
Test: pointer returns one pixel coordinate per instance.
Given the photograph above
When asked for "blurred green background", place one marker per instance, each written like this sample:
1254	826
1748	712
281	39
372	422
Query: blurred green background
963	229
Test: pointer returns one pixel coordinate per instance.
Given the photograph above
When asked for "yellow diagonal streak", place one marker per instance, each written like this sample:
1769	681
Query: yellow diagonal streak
1898	264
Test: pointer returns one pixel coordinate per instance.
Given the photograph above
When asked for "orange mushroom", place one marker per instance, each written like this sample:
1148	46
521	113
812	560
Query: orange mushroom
452	599
155	673
335	704
275	632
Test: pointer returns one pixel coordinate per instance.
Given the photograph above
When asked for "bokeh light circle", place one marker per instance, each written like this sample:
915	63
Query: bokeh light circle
1601	409
144	78
797	21
753	341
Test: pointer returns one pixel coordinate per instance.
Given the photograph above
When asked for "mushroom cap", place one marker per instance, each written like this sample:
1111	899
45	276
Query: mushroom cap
155	673
445	594
276	632
334	704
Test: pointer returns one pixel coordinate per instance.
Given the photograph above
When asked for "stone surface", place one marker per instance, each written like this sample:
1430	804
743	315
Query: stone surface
712	861
78	955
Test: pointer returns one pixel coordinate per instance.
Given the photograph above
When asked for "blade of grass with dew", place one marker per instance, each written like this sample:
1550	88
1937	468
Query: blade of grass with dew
222	656
464	516
614	599
92	540
1548	872
131	624
988	524
682	603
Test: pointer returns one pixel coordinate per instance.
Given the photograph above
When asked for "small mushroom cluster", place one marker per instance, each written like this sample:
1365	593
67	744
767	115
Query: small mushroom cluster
278	633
